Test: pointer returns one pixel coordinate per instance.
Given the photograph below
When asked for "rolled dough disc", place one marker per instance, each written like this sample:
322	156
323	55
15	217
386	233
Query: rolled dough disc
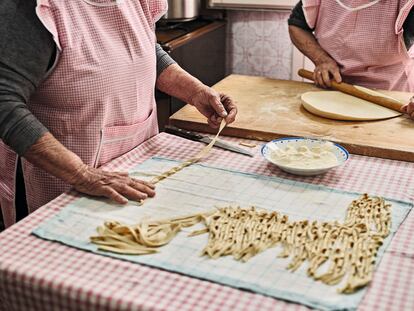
340	106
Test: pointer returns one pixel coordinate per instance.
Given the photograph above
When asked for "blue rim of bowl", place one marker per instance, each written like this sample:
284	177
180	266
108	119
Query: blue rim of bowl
304	138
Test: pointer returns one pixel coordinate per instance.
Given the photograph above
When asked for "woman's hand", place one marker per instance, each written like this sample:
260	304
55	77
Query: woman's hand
116	186
178	83
214	106
409	108
51	156
325	69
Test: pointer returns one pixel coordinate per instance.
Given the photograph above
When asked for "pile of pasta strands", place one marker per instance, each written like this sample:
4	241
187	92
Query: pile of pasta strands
347	249
140	239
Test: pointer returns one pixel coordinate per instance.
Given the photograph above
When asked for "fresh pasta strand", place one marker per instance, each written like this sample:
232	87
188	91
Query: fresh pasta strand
143	238
156	179
192	160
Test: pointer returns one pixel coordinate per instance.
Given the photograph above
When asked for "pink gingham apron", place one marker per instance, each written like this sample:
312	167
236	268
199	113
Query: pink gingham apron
98	100
366	40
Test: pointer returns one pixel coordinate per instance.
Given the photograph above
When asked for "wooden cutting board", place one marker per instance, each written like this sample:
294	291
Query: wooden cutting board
270	109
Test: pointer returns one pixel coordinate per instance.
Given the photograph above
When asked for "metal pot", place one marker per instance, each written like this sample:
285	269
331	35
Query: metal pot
182	10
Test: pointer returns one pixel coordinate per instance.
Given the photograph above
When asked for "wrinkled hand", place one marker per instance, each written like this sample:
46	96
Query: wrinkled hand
409	108
116	186
214	106
325	69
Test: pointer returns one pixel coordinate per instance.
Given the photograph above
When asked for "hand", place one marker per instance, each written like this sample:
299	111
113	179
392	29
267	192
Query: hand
51	156
325	69
113	185
409	108
214	106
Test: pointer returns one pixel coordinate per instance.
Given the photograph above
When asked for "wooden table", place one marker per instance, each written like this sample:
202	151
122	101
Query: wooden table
270	109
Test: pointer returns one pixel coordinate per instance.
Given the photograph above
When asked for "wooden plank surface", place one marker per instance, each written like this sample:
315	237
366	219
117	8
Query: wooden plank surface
270	109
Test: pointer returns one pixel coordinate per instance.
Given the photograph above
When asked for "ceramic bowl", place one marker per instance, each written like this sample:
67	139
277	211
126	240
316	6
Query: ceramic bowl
340	152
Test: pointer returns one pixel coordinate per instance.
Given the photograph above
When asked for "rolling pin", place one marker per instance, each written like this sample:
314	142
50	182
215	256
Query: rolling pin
384	101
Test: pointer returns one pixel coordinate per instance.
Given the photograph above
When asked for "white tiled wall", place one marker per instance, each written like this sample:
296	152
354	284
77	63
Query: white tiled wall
258	43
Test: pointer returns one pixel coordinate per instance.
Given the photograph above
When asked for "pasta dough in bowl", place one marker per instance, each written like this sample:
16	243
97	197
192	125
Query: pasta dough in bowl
303	156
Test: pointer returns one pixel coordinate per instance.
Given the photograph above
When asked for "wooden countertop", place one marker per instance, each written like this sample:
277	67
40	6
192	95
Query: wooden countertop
270	109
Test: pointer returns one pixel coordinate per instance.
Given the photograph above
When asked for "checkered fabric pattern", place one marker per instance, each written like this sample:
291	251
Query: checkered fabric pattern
98	100
41	275
366	55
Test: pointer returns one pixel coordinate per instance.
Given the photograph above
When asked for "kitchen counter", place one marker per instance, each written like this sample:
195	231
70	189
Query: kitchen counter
270	109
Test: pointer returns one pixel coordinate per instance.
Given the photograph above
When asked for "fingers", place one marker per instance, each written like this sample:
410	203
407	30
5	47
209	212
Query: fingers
410	109
230	106
146	183
118	187
216	119
132	189
315	77
231	110
120	173
326	78
325	71
218	107
143	187
337	75
215	107
150	185
120	193
212	124
130	192
113	195
232	115
318	78
322	77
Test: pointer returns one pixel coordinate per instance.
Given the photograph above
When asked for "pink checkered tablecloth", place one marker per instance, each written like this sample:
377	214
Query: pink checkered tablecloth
41	275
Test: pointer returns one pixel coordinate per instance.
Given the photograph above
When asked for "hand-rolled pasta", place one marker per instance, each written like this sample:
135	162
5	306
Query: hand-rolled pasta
191	161
349	248
143	238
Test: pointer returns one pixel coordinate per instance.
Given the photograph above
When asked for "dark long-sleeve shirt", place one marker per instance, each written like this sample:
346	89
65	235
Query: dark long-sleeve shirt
297	18
27	51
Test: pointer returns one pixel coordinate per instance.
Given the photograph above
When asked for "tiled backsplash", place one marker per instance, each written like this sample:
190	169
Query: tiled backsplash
258	43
